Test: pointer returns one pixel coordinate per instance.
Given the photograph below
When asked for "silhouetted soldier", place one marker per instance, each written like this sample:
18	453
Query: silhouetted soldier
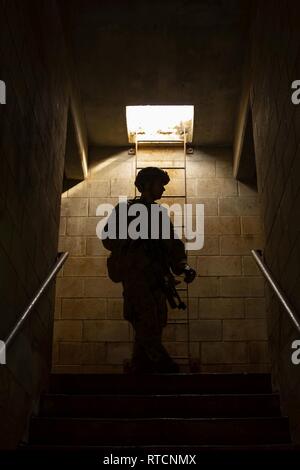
140	264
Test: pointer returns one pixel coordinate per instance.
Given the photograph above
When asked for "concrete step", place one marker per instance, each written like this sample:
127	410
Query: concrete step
179	406
188	383
163	431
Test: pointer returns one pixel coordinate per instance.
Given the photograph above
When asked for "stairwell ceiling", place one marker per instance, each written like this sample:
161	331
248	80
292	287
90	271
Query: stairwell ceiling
157	52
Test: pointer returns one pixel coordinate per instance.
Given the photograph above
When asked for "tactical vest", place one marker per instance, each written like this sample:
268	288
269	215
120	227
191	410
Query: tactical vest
130	254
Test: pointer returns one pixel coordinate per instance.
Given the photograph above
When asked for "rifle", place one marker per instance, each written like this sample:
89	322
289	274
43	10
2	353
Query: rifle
166	279
171	292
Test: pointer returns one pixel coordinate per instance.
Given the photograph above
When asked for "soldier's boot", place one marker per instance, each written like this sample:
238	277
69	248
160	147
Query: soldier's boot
140	362
149	367
162	361
167	366
150	356
173	368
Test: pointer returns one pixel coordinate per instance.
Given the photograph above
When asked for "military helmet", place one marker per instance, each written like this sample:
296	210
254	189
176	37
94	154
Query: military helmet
150	173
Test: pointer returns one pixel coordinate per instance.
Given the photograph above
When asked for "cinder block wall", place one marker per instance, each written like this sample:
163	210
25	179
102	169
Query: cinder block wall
276	123
229	326
227	310
90	334
32	139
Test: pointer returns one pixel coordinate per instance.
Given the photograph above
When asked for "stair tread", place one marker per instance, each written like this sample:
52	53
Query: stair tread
141	431
178	375
86	418
159	383
161	395
155	405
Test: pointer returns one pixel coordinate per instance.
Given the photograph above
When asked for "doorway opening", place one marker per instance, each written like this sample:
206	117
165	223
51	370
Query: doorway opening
160	123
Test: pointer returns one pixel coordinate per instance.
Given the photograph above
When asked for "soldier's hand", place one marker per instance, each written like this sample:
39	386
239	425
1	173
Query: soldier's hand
189	274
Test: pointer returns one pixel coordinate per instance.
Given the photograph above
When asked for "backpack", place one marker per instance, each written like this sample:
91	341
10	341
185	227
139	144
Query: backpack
116	261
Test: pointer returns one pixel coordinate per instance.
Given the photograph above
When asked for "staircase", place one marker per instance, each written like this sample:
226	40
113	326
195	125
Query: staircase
216	416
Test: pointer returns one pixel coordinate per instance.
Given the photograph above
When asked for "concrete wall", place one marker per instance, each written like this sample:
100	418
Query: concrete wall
229	325
90	334
32	141
276	123
227	321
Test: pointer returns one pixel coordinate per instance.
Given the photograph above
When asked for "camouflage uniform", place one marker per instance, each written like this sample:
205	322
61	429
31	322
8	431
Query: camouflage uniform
145	304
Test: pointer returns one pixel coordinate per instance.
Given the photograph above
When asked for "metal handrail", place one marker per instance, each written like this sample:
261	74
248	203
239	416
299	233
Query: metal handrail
257	254
61	258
